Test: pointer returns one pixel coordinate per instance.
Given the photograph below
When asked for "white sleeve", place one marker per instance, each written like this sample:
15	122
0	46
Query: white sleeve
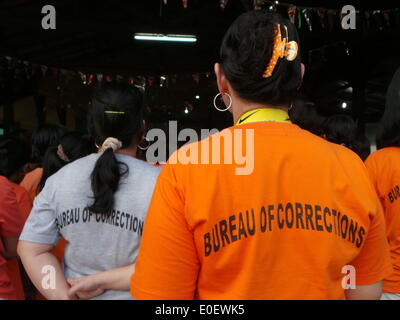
41	226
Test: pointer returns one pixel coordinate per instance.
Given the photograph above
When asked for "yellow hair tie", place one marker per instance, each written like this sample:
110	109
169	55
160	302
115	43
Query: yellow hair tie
114	112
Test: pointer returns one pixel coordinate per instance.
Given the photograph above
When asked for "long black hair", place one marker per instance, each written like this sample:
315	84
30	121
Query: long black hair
74	146
307	116
342	129
389	126
44	137
117	112
15	153
245	52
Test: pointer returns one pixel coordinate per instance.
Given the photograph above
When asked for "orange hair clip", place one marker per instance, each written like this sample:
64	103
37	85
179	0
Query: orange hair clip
282	49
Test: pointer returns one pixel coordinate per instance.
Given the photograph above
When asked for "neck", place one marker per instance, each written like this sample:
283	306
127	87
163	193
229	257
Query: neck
130	151
241	107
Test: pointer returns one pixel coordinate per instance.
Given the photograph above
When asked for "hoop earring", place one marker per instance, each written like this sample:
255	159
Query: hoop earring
215	102
144	148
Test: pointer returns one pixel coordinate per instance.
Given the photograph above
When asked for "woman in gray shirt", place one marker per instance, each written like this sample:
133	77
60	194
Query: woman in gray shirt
98	204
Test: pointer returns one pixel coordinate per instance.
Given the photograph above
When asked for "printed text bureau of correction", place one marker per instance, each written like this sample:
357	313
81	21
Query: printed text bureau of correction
116	218
281	217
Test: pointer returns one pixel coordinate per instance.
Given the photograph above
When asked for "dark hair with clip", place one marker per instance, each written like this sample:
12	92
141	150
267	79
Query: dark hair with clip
245	53
116	112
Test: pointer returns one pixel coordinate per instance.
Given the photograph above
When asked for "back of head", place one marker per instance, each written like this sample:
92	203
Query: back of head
307	117
14	155
245	53
116	112
362	146
73	146
44	137
341	129
389	125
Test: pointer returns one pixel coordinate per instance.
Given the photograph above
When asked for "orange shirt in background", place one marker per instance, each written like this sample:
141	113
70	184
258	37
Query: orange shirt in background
383	165
11	224
31	182
25	206
285	231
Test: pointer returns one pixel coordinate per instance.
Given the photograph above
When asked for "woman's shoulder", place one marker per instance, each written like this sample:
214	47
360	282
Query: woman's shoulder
139	166
81	167
386	153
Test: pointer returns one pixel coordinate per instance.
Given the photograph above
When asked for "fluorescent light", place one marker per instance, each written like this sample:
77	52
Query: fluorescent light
165	37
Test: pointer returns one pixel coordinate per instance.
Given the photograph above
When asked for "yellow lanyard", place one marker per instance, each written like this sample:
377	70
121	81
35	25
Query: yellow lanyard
264	115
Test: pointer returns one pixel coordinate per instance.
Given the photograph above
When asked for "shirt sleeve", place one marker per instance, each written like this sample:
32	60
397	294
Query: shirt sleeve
167	265
11	221
41	226
373	264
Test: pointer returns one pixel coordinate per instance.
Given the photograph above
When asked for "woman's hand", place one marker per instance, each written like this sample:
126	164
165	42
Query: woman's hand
85	288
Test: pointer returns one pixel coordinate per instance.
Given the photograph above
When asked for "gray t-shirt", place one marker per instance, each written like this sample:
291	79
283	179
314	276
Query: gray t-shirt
96	242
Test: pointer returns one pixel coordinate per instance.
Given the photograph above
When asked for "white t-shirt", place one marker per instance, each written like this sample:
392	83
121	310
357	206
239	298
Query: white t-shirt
95	242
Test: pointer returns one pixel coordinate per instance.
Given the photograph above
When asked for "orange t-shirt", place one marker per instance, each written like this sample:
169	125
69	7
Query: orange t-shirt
11	224
383	166
285	231
31	182
25	206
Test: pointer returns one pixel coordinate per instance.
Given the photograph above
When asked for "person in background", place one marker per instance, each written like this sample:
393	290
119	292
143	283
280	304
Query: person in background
307	117
342	129
283	225
383	166
11	223
73	146
14	157
362	145
44	137
98	204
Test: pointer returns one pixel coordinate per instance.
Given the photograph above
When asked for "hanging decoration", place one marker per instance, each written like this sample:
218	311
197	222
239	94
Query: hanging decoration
307	17
321	12
257	4
292	14
223	3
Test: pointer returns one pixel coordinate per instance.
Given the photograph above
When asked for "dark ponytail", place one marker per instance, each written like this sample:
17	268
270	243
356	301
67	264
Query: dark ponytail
105	181
116	113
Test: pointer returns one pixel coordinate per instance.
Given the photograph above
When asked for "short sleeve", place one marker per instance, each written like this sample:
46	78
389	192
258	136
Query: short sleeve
373	264
167	265
11	221
41	226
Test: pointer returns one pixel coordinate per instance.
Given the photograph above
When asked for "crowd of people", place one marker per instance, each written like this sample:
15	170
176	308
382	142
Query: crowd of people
91	212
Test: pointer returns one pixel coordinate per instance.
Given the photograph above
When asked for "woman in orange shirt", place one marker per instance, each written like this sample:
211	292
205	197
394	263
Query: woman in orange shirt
14	156
43	138
383	165
301	220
